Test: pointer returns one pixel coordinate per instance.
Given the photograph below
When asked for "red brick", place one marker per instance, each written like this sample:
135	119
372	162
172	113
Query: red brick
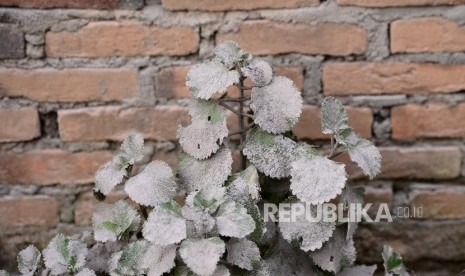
171	157
21	124
398	3
170	82
413	163
392	78
309	125
213	5
116	123
262	37
108	39
49	4
51	166
438	202
69	85
85	205
413	121
28	211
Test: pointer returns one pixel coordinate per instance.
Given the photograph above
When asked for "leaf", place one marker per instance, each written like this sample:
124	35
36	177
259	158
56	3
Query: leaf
128	261
208	199
367	156
233	221
29	260
315	180
349	197
244	186
202	255
111	221
99	255
206	79
229	53
108	177
165	224
270	154
63	255
4	273
359	270
86	272
132	149
277	106
337	253
259	72
153	186
312	234
333	116
159	259
243	253
393	263
196	174
221	270
207	131
260	228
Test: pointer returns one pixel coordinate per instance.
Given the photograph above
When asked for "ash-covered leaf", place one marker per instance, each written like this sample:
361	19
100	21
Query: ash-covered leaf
111	221
233	221
29	260
63	255
99	255
208	199
352	196
159	259
259	72
4	273
393	264
359	270
202	255
277	106
316	180
128	262
153	186
206	79
197	174
333	116
108	177
132	149
230	54
86	272
311	232
165	224
270	154
337	253
221	270
243	253
244	186
367	157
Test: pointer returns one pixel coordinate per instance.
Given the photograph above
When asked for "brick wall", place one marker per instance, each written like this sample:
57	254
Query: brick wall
77	76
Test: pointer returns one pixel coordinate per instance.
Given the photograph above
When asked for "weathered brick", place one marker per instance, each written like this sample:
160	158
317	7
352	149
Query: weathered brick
413	163
108	39
116	123
86	203
392	78
309	125
51	166
212	5
377	194
262	37
170	157
28	211
50	4
413	121
20	124
12	41
438	201
170	82
69	85
422	35
398	3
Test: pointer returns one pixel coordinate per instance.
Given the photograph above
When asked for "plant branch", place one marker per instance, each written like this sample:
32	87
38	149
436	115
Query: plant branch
242	131
240	112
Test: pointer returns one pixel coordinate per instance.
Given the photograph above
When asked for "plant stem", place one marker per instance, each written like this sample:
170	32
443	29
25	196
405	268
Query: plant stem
242	131
241	119
227	106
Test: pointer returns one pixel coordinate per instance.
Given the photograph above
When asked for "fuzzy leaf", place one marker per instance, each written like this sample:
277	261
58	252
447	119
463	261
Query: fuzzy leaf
63	255
259	72
196	174
159	259
244	186
86	272
367	156
165	224
128	262
277	106
132	149
206	79
243	253
111	221
153	186
270	154
233	221
202	255
229	53
29	260
316	180
336	253
108	177
333	116
359	270
352	196
312	233
393	263
4	273
99	255
221	270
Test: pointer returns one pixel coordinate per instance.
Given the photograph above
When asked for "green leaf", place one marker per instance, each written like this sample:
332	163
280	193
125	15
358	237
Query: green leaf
129	260
63	255
202	255
333	116
29	260
393	263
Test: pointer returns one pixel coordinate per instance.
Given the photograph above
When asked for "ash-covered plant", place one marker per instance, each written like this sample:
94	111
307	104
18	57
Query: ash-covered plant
204	220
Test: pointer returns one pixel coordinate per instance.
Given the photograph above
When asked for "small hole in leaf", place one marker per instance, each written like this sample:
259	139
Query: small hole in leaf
331	258
198	146
209	118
